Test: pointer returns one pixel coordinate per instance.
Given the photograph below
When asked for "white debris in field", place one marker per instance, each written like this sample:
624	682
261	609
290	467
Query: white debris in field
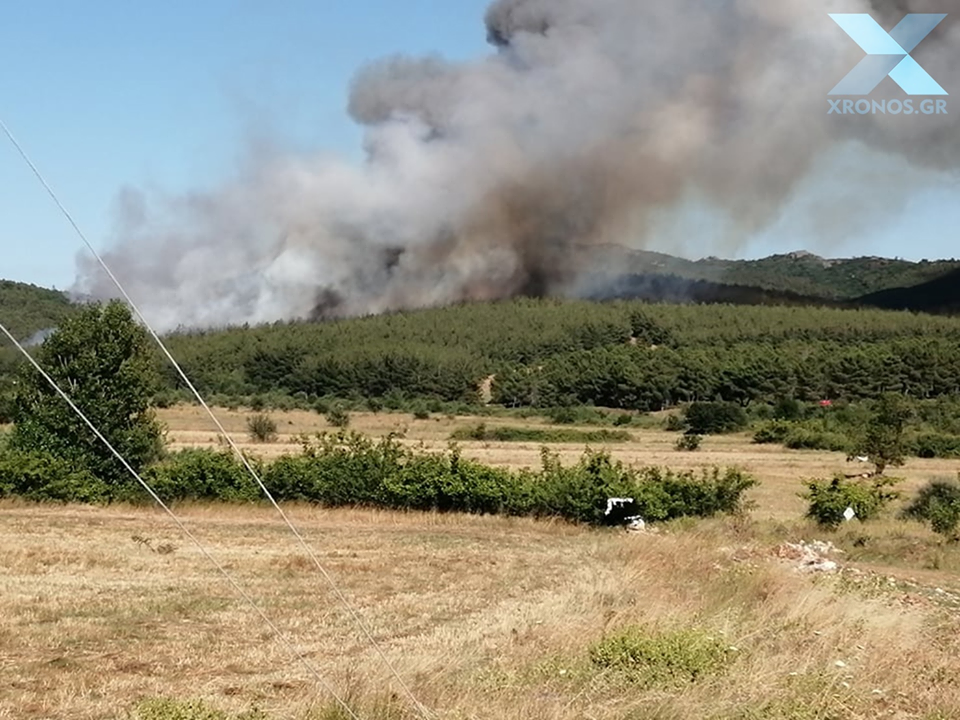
616	503
810	557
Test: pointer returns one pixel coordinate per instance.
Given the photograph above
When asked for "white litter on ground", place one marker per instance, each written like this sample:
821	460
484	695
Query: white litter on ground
810	557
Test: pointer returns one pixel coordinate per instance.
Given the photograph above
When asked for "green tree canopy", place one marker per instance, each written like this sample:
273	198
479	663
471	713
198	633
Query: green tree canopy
101	359
882	439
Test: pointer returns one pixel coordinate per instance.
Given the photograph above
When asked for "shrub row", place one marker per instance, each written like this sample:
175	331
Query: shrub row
482	432
812	435
352	470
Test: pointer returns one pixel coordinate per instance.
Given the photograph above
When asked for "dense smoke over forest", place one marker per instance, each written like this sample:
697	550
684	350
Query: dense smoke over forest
493	178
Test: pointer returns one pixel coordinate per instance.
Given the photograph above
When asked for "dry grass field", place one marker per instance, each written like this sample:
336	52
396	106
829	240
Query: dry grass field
486	618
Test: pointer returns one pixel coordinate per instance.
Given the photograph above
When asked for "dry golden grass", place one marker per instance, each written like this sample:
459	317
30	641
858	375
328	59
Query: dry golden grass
483	617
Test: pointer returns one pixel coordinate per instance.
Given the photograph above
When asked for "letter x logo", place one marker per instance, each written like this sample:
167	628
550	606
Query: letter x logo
888	54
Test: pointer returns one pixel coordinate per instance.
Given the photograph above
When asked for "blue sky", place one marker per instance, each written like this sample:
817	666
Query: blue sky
108	93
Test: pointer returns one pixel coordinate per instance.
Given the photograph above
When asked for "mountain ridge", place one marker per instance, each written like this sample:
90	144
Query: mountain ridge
799	273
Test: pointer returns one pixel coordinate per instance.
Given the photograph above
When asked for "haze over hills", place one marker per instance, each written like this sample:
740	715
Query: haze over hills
618	272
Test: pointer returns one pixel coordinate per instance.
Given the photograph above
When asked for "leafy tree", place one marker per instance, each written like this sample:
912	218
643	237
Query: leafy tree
101	359
715	418
786	408
646	331
882	440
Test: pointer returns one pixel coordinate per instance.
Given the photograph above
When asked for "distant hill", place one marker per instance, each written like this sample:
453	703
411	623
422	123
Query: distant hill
675	289
941	295
798	274
27	309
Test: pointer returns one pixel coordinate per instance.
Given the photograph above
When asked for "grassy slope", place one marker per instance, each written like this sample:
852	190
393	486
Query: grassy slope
484	617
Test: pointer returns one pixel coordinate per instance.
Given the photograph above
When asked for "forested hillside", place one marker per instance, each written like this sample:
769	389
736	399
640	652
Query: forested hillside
798	274
25	309
620	354
941	295
750	344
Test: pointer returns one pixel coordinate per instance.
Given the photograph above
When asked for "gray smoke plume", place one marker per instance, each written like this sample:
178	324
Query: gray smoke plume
38	338
494	178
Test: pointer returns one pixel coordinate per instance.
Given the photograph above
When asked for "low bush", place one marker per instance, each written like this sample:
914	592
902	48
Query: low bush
167	399
829	499
165	709
842	432
349	469
663	495
938	503
774	432
338	417
652	658
199	474
788	409
689	442
675	423
934	445
802	438
262	428
337	469
421	413
484	433
41	477
562	415
579	492
448	483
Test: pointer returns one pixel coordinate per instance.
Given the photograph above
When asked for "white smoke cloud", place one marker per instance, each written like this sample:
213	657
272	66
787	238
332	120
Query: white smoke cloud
485	179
